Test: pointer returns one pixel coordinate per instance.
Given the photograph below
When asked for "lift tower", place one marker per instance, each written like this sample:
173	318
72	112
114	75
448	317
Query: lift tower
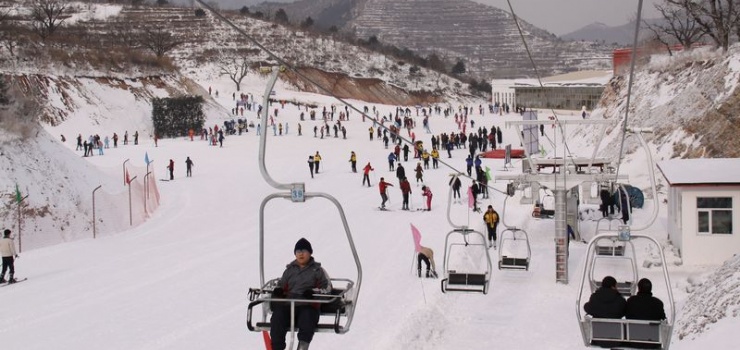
567	172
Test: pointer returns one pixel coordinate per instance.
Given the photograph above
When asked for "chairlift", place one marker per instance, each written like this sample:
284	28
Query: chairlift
513	237
336	308
465	281
623	333
609	249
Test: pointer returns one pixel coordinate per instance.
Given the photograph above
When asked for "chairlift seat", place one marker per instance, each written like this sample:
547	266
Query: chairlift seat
336	309
626	334
513	263
610	250
625	288
465	282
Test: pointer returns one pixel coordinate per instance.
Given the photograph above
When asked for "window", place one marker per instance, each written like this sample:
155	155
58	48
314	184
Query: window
714	214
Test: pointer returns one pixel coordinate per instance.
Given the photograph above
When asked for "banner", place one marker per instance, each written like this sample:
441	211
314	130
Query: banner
17	195
417	238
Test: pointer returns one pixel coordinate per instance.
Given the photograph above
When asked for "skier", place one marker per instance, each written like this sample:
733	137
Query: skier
171	168
8	253
405	191
382	185
189	167
406	153
400	172
475	190
491	220
419	173
427	192
391	161
311	163
353	161
316	161
456	184
427	256
435	158
366	174
469	164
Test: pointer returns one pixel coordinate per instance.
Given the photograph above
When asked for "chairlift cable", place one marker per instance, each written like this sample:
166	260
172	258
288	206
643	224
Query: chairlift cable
629	85
537	73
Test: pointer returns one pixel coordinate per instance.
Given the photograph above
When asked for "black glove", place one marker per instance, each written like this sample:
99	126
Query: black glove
308	294
278	293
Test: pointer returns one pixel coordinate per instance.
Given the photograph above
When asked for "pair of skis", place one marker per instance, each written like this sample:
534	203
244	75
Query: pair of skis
16	281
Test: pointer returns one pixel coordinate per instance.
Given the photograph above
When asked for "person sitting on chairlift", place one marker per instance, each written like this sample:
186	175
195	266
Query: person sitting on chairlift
606	302
643	305
302	278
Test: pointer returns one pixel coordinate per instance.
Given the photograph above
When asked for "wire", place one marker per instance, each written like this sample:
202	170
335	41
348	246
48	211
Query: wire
325	90
537	73
629	85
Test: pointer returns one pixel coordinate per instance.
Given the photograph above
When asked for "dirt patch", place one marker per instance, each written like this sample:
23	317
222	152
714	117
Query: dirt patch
364	89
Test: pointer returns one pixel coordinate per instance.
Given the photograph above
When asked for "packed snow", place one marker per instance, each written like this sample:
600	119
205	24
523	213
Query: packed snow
180	280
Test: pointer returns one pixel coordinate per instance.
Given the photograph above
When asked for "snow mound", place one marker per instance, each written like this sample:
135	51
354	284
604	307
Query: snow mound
713	299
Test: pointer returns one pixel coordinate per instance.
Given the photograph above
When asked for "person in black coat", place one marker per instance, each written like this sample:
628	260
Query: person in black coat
606	302
643	305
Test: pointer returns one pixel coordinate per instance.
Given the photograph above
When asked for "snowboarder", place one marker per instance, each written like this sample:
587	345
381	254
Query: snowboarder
8	253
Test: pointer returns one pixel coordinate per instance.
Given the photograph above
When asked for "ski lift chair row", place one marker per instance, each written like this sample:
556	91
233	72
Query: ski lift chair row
623	333
458	281
614	251
506	262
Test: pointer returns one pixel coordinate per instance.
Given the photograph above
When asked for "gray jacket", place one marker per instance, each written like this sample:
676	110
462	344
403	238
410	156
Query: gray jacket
296	280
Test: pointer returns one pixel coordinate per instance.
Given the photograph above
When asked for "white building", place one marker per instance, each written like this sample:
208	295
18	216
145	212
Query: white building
570	91
702	196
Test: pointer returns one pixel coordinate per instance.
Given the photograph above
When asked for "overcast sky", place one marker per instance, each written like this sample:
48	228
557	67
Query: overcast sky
564	16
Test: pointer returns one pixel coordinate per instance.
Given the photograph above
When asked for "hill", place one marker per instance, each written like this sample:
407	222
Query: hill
622	35
484	37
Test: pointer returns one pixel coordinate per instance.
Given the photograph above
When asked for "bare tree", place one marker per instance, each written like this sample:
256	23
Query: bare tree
47	16
236	69
678	26
717	18
159	41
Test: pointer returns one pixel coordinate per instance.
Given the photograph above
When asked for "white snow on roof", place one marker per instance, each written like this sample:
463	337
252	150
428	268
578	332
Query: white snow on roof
579	78
701	171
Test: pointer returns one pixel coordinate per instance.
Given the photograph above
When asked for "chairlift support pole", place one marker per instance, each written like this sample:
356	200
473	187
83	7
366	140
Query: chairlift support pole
559	184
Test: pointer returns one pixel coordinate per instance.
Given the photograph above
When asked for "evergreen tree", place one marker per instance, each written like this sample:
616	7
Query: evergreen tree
459	67
175	116
281	16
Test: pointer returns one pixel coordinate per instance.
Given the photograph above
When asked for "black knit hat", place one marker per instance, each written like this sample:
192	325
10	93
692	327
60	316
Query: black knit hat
303	244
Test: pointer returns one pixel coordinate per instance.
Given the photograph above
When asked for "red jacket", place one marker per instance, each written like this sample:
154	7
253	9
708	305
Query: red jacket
383	185
367	169
405	187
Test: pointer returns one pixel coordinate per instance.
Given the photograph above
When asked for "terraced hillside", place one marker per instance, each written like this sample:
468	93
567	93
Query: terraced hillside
485	37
